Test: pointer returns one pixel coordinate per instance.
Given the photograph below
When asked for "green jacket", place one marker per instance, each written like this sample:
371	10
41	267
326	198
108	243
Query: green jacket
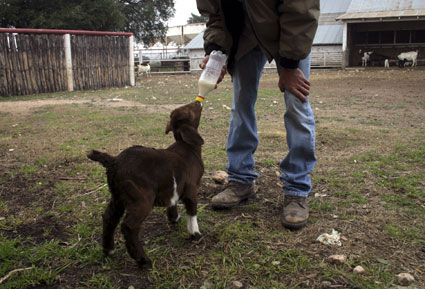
284	29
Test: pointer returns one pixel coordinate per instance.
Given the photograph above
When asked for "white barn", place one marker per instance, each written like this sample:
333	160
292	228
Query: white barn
386	27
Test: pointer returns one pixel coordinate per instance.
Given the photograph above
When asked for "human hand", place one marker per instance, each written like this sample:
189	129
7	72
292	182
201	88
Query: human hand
203	64
295	82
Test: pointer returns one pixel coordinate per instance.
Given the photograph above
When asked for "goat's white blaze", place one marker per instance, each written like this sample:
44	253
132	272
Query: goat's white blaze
175	197
192	225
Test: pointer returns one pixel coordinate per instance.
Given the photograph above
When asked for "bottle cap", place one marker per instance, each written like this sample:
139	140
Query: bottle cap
199	98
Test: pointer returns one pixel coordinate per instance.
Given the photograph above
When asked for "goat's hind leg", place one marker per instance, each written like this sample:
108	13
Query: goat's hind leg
111	218
131	227
139	206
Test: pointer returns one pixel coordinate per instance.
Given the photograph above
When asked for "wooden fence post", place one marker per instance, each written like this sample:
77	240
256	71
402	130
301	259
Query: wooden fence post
131	47
68	61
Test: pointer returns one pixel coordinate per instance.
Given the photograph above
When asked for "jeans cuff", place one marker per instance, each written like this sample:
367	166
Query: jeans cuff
296	194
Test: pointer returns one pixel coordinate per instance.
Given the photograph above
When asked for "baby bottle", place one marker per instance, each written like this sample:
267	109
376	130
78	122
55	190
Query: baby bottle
209	76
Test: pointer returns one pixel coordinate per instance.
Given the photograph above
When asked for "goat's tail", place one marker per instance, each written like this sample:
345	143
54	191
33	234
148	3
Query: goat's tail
105	159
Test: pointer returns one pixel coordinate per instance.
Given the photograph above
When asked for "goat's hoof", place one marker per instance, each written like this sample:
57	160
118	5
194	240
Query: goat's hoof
174	221
196	236
108	252
144	264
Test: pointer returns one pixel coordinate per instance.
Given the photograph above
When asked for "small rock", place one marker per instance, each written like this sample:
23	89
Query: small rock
337	259
220	177
207	285
131	287
237	284
358	270
405	279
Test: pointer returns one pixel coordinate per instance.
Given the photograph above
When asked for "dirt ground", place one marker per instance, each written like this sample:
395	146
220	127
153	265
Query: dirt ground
357	112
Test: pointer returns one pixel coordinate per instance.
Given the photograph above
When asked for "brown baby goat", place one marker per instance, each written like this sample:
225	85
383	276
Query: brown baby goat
141	177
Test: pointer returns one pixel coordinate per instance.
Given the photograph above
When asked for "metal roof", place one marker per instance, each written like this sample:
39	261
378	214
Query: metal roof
361	9
334	6
328	34
197	42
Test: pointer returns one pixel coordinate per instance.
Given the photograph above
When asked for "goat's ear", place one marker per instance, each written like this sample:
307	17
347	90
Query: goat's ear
190	135
168	128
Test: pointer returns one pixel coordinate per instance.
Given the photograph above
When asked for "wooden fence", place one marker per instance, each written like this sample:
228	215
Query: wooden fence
100	61
38	62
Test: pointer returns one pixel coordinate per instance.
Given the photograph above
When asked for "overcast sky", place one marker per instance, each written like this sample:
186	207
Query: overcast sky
183	10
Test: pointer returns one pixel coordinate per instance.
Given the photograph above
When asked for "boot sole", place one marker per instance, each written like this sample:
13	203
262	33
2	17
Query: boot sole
219	206
293	226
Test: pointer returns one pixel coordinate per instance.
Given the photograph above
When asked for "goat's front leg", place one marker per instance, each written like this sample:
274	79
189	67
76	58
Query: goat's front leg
173	214
190	201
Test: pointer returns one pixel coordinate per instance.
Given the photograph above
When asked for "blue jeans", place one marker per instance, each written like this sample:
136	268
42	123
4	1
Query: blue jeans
242	140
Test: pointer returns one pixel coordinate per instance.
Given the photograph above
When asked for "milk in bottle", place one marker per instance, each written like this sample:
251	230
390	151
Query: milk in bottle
209	76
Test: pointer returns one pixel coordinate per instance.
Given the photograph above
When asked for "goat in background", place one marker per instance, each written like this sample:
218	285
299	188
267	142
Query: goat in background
405	57
144	68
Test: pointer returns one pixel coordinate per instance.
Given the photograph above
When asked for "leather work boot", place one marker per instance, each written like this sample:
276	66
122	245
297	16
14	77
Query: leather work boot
295	212
233	194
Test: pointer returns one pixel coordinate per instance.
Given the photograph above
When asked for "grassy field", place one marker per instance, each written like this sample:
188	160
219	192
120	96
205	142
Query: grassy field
368	185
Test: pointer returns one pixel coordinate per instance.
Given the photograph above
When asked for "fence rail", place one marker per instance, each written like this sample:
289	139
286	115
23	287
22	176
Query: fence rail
318	59
326	58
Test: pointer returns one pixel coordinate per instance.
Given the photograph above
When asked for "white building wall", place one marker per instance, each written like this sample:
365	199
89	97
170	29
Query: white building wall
326	56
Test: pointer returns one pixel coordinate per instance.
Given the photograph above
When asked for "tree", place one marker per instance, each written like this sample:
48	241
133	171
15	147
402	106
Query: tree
145	18
196	19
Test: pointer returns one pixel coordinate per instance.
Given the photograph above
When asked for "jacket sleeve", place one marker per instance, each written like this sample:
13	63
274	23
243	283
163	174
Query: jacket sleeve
215	36
298	25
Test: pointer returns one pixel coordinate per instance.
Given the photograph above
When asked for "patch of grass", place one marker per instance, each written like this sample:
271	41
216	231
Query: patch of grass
16	253
99	280
372	123
323	206
402	234
215	157
28	169
402	172
269	162
3	206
